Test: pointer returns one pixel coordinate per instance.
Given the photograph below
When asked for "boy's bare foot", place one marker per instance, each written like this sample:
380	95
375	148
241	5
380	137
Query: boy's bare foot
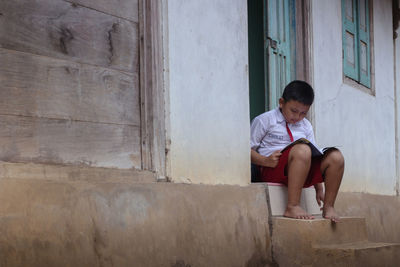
328	212
297	212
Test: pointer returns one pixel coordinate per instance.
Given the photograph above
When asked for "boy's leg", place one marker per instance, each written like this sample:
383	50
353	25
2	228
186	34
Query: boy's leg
298	166
332	166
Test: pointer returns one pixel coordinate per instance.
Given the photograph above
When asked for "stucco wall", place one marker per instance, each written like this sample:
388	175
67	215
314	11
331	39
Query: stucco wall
381	214
69	216
361	124
208	92
397	64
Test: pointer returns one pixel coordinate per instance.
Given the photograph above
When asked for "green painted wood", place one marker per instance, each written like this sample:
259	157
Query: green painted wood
256	57
278	52
364	43
292	34
350	39
272	43
356	53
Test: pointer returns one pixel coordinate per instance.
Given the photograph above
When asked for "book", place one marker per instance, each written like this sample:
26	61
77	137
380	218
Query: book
315	152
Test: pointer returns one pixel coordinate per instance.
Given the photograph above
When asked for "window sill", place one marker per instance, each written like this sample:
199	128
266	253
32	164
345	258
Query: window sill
359	86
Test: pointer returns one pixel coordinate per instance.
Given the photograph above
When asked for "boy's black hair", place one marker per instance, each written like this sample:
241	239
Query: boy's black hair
299	91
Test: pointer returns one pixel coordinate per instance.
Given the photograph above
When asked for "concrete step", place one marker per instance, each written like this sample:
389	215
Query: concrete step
358	254
320	231
319	242
278	199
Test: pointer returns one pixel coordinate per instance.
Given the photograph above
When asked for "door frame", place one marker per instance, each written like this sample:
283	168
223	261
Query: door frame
153	93
304	32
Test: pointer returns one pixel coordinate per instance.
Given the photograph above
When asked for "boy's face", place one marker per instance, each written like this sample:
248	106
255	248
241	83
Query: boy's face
293	110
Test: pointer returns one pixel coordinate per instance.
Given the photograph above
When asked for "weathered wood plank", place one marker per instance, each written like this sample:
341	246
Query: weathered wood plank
127	9
64	30
28	139
44	87
153	99
71	173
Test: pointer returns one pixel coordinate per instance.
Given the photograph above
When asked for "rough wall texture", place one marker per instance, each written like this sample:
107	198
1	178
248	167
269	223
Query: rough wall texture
69	89
381	212
76	217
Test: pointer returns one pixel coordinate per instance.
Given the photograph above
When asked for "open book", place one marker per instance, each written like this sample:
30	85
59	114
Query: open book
315	152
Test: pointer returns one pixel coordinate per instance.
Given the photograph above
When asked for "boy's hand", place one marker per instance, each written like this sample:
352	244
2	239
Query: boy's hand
319	195
273	159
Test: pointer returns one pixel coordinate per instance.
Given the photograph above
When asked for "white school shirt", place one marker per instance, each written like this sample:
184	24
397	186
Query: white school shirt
269	133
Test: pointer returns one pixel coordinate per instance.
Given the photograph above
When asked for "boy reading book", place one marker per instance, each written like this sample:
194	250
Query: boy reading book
295	165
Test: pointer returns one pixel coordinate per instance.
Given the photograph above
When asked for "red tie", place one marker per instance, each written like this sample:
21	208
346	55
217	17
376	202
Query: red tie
289	132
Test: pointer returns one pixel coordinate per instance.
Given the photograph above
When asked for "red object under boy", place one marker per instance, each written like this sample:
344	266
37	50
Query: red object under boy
279	173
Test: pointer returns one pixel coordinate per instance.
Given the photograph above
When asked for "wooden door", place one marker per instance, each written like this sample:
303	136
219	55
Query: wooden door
279	39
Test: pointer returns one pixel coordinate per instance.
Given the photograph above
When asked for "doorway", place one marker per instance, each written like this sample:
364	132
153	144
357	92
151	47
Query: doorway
275	58
279	44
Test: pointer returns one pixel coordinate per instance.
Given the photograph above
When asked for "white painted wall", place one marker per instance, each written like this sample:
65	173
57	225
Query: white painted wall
397	79
208	92
362	125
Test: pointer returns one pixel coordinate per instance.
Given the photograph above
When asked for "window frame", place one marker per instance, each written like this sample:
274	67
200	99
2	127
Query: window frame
353	74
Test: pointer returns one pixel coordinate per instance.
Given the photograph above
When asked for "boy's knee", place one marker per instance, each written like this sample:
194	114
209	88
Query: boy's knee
301	152
336	157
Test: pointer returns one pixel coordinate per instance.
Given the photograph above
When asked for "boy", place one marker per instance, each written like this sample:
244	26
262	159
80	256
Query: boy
274	130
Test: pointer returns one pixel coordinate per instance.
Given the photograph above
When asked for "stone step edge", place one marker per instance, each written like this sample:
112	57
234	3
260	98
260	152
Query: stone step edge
360	245
320	231
318	218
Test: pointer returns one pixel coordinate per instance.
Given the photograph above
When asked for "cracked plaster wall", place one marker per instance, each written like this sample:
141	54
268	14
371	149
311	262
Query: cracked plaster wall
360	123
103	223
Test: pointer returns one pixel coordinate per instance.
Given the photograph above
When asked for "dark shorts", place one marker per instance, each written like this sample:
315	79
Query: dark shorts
279	175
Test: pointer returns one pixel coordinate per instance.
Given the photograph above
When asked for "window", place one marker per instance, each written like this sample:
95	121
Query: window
356	41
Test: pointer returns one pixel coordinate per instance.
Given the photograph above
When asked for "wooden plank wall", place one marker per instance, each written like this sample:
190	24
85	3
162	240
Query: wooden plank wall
69	85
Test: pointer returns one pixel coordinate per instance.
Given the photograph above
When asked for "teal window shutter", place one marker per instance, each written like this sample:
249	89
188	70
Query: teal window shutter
364	44
356	41
350	40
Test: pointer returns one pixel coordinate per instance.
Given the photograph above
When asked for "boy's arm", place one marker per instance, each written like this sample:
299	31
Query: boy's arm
319	193
260	160
258	131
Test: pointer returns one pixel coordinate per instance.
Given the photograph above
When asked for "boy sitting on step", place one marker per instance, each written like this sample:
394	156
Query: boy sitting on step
294	167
